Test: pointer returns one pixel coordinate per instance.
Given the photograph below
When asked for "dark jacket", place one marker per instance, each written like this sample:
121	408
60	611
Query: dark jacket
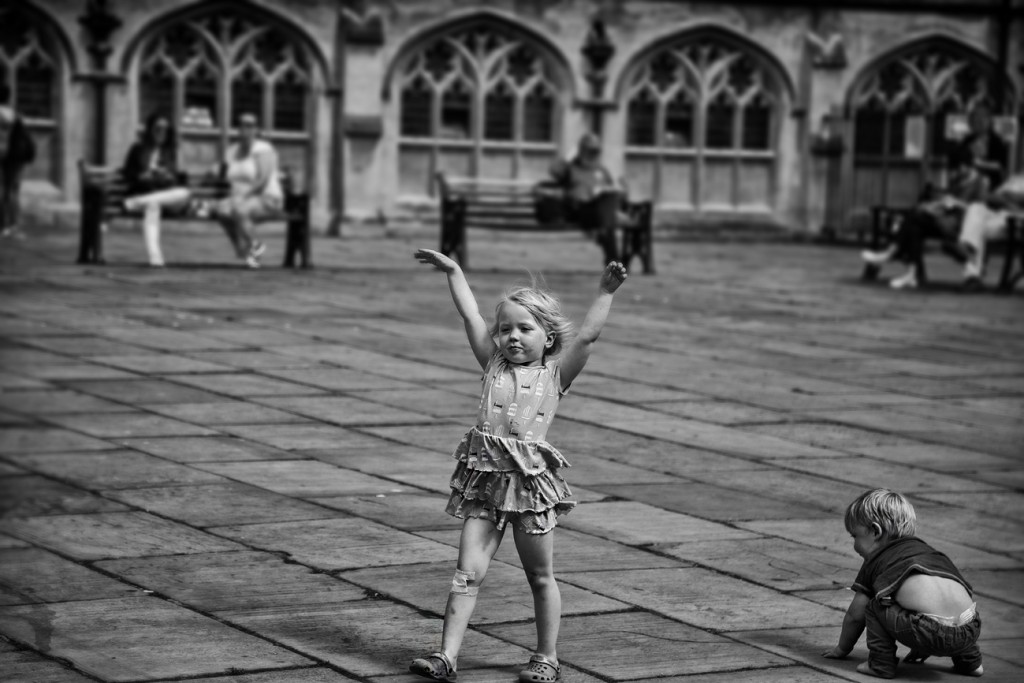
141	178
21	149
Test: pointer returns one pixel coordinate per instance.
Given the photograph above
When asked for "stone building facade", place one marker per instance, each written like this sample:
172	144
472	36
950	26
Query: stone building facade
799	114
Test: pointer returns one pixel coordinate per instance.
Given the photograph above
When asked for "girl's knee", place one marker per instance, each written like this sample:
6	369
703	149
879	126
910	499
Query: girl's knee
540	578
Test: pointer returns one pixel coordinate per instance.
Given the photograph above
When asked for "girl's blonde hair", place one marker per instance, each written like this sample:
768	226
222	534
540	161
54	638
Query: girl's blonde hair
889	510
544	308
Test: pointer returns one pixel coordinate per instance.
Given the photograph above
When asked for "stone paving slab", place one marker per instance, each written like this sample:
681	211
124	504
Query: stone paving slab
226	413
772	562
797	488
293	436
47	440
10	381
575	551
241	581
25	666
127	425
416	468
220	504
338	379
638	524
408	511
140	638
58	401
113	469
706	599
266	362
705	500
194	449
830	535
66	372
112	534
347	411
159	364
370	637
657	646
805	645
941	458
85	346
147	391
29	495
242	385
34	575
302	478
307	675
504	597
333	544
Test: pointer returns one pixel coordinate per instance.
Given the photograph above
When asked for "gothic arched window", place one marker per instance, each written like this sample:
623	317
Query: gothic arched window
206	69
701	124
901	111
480	101
30	67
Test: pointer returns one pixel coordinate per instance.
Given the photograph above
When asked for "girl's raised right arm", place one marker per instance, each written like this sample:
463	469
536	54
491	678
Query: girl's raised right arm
465	303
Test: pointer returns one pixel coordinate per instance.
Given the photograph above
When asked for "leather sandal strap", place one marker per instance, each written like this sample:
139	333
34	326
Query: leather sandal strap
444	660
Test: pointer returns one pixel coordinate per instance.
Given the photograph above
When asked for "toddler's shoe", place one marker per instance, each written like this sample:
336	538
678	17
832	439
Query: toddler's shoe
540	670
436	665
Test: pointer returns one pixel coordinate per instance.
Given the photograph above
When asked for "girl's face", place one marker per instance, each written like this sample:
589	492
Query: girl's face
521	339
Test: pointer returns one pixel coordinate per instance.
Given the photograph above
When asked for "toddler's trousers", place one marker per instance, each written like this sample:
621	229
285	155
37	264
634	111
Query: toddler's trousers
887	624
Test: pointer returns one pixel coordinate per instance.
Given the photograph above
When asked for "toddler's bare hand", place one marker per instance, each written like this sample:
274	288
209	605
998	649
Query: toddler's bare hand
436	259
613	276
834	653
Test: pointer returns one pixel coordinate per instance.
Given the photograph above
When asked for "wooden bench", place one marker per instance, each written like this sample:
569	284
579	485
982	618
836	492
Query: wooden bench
883	220
509	205
103	190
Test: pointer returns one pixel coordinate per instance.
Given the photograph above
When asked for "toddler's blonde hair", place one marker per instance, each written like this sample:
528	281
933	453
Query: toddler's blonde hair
889	510
544	308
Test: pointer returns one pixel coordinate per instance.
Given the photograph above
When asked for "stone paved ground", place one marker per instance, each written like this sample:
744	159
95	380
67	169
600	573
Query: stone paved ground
216	474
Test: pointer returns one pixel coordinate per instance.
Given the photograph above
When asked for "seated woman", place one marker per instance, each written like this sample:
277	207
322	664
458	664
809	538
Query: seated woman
938	215
985	221
251	169
151	171
592	197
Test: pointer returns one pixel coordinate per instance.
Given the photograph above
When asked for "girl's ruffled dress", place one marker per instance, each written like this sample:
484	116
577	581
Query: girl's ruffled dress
506	470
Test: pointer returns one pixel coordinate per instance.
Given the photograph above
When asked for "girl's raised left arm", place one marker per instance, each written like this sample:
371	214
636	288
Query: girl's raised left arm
578	352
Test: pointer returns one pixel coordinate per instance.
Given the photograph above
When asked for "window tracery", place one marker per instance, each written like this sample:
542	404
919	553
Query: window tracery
702	115
208	69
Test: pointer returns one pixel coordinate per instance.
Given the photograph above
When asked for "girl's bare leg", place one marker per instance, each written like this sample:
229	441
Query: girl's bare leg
480	540
536	553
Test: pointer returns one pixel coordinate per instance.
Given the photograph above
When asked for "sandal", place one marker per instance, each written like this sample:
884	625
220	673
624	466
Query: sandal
436	665
540	670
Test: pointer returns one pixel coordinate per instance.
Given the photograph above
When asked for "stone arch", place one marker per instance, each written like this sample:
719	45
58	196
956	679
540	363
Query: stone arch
902	109
36	61
207	62
704	110
479	95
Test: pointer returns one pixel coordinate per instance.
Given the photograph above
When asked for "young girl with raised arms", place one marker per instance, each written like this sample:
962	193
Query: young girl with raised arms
507	474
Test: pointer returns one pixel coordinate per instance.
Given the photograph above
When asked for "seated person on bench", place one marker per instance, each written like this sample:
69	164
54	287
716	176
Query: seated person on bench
151	172
592	197
938	214
985	221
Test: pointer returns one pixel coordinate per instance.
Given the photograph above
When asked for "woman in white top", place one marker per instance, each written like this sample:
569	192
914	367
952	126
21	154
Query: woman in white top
251	169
